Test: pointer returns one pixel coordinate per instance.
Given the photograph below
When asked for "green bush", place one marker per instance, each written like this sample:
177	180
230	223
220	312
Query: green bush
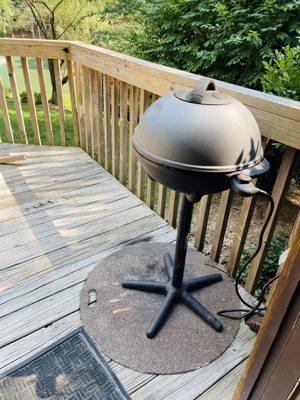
282	76
38	98
23	97
225	39
278	245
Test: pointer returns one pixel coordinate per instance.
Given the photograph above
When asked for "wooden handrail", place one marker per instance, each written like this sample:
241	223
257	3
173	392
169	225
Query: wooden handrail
55	49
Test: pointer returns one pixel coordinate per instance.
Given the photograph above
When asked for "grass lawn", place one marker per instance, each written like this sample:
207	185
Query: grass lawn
39	110
32	72
41	122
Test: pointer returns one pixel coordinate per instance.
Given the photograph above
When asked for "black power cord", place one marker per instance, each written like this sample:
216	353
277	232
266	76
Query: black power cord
257	309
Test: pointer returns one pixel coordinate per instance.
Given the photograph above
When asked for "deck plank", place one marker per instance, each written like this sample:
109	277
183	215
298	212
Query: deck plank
69	237
69	224
225	387
60	214
131	380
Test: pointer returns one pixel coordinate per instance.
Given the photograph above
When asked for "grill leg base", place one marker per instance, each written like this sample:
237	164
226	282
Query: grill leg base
176	295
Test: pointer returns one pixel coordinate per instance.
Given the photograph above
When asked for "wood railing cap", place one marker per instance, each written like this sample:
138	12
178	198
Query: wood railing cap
188	78
40	48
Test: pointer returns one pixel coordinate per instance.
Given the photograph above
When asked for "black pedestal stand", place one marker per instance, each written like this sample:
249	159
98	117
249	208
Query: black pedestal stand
176	290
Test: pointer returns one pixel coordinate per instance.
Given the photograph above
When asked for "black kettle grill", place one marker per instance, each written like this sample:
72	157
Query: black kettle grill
196	142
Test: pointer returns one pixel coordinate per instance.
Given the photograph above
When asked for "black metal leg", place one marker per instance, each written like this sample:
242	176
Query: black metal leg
198	283
184	225
194	305
162	316
145	286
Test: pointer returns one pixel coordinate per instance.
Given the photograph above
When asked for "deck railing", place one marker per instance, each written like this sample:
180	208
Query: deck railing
108	93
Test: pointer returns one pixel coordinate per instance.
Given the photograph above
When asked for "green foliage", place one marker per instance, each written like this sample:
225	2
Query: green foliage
63	19
6	14
41	123
282	75
225	39
278	245
38	98
14	17
8	92
23	97
282	78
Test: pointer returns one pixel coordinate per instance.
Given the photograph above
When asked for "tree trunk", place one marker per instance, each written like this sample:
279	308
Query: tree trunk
53	98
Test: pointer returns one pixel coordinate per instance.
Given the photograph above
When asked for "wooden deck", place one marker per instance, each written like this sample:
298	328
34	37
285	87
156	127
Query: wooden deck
60	213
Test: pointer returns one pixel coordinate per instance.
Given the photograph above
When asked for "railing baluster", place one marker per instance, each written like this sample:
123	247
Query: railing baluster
80	107
87	107
161	204
107	122
150	201
5	115
240	234
133	116
151	185
31	101
16	98
123	134
202	220
45	103
282	182
87	110
73	98
221	224
115	126
144	99
173	208
95	113
100	143
140	181
60	102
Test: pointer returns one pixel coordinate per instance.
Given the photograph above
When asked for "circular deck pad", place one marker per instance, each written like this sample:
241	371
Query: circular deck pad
117	319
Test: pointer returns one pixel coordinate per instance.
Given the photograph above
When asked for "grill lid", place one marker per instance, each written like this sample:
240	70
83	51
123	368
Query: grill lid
199	130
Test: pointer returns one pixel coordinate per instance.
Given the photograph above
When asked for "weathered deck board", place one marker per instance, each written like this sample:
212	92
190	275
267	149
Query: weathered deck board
60	214
226	386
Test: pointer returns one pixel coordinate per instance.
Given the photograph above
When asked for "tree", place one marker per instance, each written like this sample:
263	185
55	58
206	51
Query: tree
224	39
62	19
6	14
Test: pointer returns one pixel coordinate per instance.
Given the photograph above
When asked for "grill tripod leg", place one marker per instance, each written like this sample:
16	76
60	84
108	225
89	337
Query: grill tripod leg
162	316
145	286
198	283
190	302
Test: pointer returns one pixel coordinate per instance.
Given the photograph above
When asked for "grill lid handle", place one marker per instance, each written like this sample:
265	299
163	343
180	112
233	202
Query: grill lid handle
197	94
